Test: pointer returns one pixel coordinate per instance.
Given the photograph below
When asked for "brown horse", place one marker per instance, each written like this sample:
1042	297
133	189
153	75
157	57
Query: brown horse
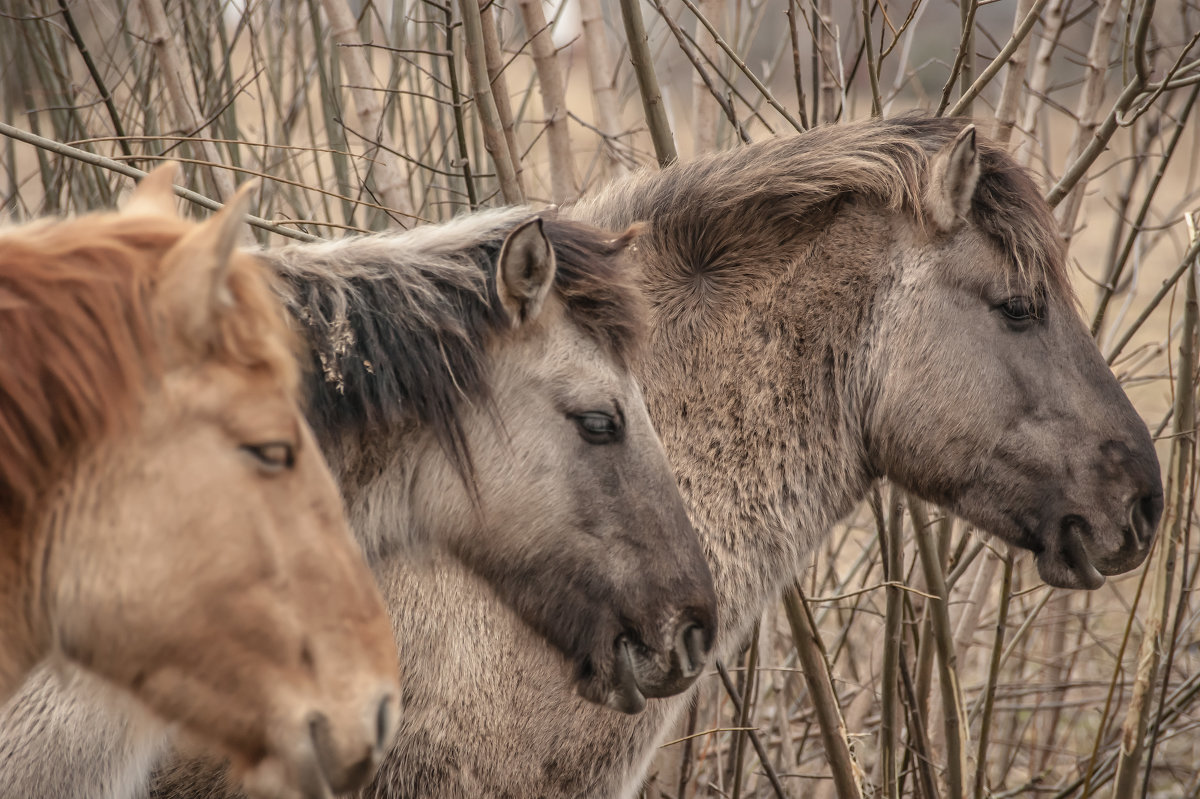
471	387
166	520
876	299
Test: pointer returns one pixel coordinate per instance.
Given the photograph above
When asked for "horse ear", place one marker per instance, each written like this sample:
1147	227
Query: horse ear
525	271
196	287
955	174
154	195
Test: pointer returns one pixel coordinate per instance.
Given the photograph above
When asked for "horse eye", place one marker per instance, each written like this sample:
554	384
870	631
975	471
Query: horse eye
1019	309
598	427
272	456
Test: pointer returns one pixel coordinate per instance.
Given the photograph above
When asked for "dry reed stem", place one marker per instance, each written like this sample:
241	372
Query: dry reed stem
956	729
797	71
485	104
739	704
741	65
993	676
1014	75
1137	717
705	80
891	537
825	55
137	174
963	106
564	184
600	69
499	82
872	63
963	57
390	182
705	98
643	68
186	105
1117	268
815	665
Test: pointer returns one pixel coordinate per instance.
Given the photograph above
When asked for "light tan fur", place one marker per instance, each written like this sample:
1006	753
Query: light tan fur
151	544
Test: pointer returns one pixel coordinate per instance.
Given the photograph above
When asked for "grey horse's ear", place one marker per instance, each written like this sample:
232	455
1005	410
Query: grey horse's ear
525	271
952	182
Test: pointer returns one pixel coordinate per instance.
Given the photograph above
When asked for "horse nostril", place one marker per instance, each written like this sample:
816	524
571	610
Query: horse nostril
321	736
383	723
691	649
1144	513
339	776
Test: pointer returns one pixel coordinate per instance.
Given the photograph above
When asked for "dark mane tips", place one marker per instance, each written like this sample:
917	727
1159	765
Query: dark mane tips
597	285
720	220
398	325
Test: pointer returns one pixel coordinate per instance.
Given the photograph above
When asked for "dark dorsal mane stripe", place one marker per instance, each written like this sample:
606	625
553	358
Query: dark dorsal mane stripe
399	324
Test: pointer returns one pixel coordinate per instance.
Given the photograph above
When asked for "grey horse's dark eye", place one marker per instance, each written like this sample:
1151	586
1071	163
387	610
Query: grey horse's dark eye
1020	310
598	427
272	456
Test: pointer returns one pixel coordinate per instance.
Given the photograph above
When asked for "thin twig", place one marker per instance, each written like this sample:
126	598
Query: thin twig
643	67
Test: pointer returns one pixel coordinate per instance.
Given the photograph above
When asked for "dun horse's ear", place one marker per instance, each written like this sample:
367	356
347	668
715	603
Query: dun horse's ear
196	285
952	183
154	195
525	271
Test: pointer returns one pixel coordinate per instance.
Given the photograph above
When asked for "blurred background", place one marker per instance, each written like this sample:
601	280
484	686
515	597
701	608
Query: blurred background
366	116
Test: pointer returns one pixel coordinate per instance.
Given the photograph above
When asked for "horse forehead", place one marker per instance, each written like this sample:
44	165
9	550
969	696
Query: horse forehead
566	358
968	256
243	400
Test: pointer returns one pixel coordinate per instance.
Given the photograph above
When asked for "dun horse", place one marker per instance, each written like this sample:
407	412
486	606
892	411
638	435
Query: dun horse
166	520
884	299
471	387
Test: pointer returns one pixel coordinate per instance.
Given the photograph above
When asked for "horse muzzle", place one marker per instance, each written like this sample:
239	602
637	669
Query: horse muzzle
1081	556
640	673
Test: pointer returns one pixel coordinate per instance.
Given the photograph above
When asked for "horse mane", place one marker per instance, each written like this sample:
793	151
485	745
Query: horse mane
399	324
721	219
82	341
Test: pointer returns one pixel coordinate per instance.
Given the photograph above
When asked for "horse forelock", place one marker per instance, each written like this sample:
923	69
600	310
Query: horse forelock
82	343
725	219
399	324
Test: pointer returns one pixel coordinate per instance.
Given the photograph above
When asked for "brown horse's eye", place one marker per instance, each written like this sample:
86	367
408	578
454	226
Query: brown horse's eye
272	456
1020	309
598	427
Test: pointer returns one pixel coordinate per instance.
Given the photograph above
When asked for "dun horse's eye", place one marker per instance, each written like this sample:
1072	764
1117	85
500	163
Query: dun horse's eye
597	427
272	456
1020	309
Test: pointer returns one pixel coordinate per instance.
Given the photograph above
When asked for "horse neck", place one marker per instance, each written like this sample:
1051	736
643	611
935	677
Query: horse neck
761	410
19	647
374	470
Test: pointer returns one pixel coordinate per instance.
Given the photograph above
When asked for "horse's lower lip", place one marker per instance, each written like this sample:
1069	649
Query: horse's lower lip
1061	574
628	696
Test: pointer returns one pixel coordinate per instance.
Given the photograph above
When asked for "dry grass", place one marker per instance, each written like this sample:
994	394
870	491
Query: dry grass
378	127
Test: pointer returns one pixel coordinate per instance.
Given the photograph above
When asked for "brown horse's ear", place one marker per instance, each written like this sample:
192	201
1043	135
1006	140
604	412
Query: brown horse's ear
196	286
525	271
952	181
154	195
